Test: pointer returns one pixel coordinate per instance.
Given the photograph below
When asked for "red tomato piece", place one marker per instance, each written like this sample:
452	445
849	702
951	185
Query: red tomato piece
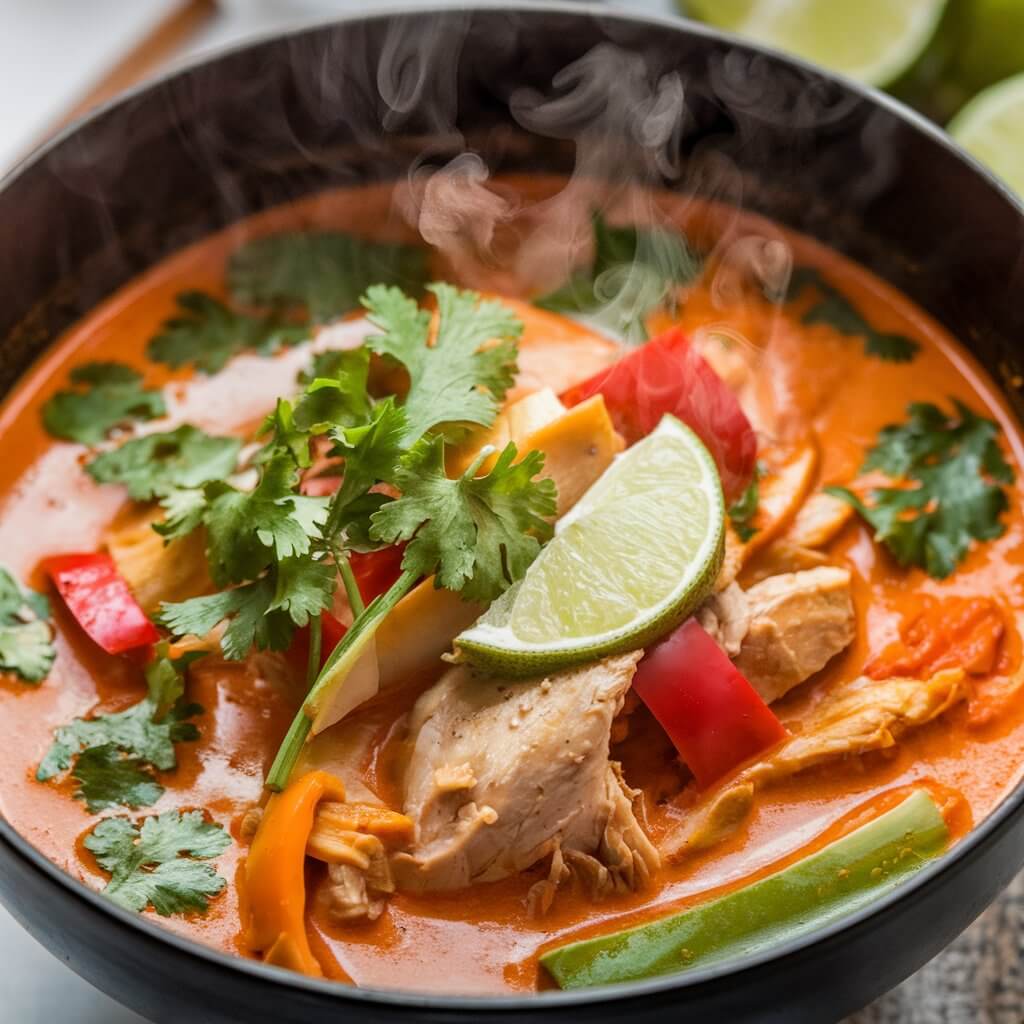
101	601
331	632
714	717
668	375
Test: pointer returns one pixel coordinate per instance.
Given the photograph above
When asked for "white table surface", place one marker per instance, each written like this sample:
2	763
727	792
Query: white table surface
51	53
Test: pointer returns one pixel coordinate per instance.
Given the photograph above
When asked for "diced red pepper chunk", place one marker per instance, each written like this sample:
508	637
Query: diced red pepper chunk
668	375
101	601
376	571
714	717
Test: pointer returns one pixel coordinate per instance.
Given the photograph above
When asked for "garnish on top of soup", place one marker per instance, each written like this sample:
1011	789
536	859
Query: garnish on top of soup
494	638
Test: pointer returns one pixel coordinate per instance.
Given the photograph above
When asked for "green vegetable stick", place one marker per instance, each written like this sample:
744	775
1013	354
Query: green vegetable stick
813	892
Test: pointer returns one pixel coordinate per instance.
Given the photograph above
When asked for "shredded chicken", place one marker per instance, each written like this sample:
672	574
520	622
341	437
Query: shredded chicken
853	719
819	520
504	774
798	622
355	841
726	617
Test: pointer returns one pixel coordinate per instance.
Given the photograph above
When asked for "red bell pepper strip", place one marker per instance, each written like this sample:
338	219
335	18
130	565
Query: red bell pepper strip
667	374
714	717
376	571
101	601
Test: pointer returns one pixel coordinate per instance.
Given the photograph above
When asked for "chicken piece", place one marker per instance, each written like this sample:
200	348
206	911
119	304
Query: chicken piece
853	719
779	557
726	617
820	519
799	621
503	774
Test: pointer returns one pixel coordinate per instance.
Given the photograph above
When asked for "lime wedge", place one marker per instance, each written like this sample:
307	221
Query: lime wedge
634	557
874	41
991	127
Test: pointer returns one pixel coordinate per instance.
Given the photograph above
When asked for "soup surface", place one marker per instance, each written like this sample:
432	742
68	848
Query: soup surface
783	324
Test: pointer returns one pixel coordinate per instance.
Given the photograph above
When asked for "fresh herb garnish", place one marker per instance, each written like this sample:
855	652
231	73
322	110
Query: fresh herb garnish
324	273
277	554
954	468
461	377
159	864
114	755
207	334
26	638
634	270
743	510
158	464
108	395
836	310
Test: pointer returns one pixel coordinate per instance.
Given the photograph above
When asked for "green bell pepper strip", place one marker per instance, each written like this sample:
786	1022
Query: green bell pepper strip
815	891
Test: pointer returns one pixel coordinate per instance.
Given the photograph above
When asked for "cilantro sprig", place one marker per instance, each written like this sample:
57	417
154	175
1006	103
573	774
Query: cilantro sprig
207	334
633	272
949	476
105	395
26	637
743	510
155	465
160	863
113	757
836	310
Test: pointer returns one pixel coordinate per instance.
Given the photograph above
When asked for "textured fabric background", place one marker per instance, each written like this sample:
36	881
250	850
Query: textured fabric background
979	979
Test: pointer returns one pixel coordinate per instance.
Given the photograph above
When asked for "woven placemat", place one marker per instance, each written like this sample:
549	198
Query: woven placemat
979	979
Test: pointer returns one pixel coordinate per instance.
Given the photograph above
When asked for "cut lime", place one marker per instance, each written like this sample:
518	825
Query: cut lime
874	41
635	556
991	127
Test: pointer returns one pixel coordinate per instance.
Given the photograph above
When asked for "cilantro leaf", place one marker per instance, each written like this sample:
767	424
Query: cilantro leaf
955	467
744	508
158	864
107	395
159	464
836	310
107	778
324	272
336	395
634	270
479	534
26	639
463	376
113	754
207	334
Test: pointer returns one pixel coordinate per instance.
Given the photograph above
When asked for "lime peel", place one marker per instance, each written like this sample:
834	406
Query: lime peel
991	128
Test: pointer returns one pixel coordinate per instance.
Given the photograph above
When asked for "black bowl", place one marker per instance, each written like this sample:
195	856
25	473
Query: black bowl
366	99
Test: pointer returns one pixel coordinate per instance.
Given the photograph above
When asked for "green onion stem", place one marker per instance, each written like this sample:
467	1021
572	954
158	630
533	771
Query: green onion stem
359	633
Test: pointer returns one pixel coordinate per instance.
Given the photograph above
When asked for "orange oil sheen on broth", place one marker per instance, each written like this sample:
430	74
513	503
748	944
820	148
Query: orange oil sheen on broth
483	940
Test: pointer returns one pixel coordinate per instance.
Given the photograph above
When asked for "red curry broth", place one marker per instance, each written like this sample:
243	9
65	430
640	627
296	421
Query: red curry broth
483	940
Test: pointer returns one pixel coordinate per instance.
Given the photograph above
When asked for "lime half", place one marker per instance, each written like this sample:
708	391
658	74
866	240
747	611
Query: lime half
874	41
634	557
991	127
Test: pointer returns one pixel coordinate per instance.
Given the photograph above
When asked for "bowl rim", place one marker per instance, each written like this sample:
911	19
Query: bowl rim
908	891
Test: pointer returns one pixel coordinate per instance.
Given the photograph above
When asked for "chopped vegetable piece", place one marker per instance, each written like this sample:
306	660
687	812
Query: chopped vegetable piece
157	464
952	632
668	375
836	310
101	601
714	717
824	887
463	376
955	467
114	754
331	633
376	571
109	395
207	334
275	873
26	637
158	865
325	272
634	271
